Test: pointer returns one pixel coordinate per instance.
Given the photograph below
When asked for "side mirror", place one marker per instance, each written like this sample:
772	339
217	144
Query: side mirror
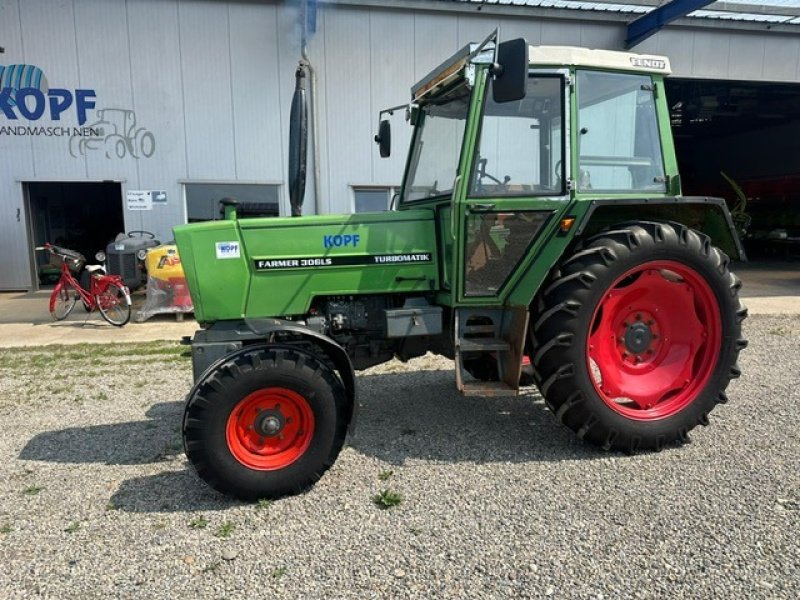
510	71
384	138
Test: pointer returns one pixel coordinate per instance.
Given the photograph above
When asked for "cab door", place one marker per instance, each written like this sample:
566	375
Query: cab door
514	187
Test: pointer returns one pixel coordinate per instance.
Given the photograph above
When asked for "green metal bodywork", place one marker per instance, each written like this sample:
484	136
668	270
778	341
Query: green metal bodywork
233	287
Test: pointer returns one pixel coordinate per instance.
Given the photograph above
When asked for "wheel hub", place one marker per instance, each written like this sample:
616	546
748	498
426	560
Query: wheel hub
269	423
638	338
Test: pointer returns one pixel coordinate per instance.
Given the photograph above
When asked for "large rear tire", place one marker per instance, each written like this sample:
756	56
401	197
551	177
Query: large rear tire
637	335
267	422
62	301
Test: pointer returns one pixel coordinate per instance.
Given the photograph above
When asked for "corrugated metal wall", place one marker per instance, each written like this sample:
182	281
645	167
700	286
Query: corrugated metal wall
213	80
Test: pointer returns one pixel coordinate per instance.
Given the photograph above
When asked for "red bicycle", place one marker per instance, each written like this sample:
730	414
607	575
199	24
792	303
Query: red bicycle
107	293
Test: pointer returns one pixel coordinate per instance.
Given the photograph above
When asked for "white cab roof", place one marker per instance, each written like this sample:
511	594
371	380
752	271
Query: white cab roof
600	59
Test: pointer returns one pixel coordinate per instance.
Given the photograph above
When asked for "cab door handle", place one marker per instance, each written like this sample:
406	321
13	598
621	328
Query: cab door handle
480	208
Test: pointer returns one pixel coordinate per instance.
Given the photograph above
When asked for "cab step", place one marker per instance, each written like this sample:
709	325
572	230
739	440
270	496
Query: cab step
490	389
483	345
492	334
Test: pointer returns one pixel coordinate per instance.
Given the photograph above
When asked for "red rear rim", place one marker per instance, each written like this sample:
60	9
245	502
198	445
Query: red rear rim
270	429
654	340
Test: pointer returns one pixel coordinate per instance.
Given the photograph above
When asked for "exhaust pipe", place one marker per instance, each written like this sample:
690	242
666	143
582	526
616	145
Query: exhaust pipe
298	142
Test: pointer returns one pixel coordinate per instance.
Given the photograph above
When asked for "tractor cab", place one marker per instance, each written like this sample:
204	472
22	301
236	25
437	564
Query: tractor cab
504	151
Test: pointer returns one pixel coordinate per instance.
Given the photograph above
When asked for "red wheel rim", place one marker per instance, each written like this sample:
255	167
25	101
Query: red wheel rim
270	429
654	340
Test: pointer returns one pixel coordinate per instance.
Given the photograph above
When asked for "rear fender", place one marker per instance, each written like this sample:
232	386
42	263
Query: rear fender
708	215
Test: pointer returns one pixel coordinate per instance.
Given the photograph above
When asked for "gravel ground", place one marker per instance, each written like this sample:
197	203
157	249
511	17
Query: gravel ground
97	501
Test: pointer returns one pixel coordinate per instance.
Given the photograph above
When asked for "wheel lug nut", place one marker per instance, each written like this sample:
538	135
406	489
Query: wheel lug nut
638	317
651	322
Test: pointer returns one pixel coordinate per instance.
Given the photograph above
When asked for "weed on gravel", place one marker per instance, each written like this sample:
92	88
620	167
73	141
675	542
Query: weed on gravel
225	530
387	499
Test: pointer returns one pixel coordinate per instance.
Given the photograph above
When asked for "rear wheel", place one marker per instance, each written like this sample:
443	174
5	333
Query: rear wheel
62	300
114	304
267	422
637	335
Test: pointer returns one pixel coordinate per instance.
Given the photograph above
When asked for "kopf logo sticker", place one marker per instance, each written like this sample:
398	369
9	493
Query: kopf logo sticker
228	250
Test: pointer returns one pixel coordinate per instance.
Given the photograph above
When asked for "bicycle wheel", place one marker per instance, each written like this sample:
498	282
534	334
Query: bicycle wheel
114	304
62	301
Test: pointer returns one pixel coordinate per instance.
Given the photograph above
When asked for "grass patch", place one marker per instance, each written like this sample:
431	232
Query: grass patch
5	528
199	523
32	490
263	504
72	527
387	499
278	573
225	530
385	475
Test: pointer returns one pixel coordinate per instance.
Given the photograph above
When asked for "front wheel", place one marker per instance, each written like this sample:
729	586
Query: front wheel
637	335
62	300
114	304
266	422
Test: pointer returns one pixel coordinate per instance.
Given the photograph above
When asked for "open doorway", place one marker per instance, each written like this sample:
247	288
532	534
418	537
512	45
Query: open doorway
750	131
80	216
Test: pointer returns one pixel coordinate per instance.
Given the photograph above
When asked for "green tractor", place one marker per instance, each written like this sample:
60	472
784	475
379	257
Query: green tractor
540	217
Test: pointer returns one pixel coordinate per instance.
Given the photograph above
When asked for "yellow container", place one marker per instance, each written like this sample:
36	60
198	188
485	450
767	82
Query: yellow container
163	262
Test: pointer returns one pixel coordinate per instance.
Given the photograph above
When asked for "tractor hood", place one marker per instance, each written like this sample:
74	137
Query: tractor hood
275	267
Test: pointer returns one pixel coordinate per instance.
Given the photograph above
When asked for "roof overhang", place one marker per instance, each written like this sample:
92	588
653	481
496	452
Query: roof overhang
599	59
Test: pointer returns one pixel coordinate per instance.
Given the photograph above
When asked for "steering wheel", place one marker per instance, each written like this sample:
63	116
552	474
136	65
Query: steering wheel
141	233
502	185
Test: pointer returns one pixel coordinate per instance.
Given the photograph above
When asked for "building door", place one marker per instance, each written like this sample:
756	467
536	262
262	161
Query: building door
83	217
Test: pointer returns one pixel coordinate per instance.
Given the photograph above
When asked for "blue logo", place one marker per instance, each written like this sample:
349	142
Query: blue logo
25	93
337	241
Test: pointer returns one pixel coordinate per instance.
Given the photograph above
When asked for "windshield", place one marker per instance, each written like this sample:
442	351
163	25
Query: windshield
437	147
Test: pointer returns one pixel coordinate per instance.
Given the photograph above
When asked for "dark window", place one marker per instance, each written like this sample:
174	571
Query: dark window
255	200
372	199
495	244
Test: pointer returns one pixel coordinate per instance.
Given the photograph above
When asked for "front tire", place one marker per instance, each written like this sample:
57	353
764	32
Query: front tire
637	335
62	301
266	423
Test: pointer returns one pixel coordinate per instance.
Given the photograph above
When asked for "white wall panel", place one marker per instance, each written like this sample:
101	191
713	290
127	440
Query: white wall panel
391	76
158	98
435	39
16	162
347	103
49	42
206	68
104	62
256	98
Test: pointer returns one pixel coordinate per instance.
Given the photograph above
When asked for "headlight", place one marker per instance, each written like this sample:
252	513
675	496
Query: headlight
141	254
100	256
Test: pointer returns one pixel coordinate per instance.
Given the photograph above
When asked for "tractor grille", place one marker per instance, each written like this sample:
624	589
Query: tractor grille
123	265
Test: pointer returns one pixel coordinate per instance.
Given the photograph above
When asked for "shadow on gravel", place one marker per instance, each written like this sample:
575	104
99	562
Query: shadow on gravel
132	443
172	491
422	416
402	416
